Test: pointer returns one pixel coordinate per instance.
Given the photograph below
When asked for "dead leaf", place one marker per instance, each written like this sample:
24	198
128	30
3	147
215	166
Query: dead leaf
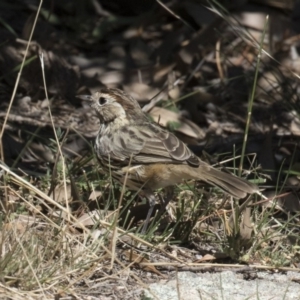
59	194
141	91
20	224
206	257
93	217
95	194
138	259
187	127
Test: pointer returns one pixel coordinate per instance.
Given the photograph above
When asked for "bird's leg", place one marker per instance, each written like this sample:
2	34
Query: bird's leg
169	193
151	198
164	202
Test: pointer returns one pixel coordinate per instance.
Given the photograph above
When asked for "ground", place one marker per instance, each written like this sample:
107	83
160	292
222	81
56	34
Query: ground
223	78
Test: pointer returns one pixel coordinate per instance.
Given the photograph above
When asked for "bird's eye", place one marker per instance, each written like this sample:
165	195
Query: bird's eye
102	100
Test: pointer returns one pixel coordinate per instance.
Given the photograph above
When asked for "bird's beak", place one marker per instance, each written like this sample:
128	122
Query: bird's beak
85	97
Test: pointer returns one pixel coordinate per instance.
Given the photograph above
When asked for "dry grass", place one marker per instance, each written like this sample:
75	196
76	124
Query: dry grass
54	245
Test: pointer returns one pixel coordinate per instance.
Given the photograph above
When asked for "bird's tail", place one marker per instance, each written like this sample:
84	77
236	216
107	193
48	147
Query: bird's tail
234	186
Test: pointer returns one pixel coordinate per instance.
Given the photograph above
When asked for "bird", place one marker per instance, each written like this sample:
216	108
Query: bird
144	156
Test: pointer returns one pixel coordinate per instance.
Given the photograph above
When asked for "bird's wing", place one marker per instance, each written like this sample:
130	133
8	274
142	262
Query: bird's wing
148	143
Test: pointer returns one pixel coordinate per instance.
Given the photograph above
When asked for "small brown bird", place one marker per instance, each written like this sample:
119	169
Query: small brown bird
129	143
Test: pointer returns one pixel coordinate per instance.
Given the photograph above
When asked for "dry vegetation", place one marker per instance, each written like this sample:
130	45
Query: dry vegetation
227	85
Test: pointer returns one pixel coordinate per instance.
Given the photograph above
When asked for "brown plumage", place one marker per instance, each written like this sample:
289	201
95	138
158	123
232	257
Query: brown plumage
153	157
